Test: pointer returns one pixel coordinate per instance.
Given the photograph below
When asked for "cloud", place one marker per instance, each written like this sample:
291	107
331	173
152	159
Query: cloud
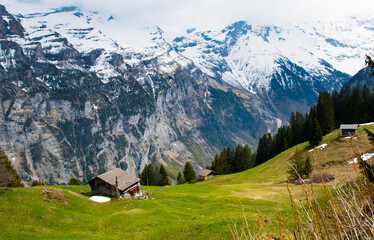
28	1
178	15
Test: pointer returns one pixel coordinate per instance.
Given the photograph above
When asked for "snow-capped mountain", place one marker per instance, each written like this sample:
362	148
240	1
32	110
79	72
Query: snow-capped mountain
82	92
282	62
68	109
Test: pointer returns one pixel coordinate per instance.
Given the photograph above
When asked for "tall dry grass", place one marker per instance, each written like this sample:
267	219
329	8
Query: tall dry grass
347	211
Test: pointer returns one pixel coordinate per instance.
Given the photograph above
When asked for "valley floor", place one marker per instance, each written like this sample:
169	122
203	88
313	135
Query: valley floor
203	210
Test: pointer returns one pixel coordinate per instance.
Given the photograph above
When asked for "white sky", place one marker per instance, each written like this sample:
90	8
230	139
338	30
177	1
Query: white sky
178	15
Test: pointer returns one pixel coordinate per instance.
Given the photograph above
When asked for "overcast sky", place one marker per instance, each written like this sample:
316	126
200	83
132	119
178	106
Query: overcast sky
178	15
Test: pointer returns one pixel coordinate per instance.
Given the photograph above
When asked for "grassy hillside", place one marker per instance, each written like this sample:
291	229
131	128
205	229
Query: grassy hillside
188	211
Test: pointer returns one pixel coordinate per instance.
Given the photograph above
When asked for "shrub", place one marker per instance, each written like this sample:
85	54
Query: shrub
299	167
38	182
74	181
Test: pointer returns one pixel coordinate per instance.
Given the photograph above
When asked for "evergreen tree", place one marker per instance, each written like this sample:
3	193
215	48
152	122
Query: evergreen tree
297	128
230	161
8	175
344	106
157	179
223	161
308	167
247	161
296	166
180	179
164	179
238	164
264	149
300	167
216	165
316	133
367	105
74	181
233	161
325	112
189	173
147	176
356	106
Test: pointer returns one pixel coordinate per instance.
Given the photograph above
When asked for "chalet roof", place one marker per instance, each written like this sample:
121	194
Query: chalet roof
205	172
348	126
125	180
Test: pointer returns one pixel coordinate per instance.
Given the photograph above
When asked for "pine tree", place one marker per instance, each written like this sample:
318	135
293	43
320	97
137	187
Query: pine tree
296	166
300	167
230	161
264	149
189	173
248	161
367	104
325	112
74	181
164	179
356	105
297	128
238	165
157	179
8	175
316	133
180	179
308	167
147	176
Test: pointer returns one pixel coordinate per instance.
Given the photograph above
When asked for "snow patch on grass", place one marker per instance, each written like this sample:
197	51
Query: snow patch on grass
319	147
99	199
364	157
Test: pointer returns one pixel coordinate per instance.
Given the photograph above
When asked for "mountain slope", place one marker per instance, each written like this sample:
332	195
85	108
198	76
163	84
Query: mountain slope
72	113
363	77
79	96
287	64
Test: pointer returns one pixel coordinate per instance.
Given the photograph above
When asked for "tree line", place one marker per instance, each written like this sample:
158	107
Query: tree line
154	175
349	106
232	161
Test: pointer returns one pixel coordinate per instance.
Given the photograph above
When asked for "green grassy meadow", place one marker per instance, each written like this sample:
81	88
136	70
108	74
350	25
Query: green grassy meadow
187	211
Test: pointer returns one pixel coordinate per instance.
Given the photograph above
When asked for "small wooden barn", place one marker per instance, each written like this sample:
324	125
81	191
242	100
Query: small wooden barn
114	183
348	129
205	174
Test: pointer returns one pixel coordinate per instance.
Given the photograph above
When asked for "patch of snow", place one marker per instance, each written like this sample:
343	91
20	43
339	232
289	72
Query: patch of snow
319	147
364	157
322	146
365	124
99	199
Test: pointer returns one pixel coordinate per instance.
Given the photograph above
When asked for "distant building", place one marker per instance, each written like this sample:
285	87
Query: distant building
114	183
348	129
205	174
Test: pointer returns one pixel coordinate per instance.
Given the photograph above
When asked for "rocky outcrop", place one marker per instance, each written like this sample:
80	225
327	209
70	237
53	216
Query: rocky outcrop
60	117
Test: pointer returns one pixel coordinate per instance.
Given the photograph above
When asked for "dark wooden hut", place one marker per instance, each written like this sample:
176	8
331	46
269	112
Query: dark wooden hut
348	129
205	174
114	183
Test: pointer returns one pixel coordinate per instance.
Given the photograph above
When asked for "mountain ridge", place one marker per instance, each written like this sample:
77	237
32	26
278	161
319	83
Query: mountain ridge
75	101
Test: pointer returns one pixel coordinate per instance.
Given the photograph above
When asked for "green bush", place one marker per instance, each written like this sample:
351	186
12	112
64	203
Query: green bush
74	181
38	182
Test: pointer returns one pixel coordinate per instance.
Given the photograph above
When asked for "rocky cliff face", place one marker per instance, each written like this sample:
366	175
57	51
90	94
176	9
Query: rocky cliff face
71	113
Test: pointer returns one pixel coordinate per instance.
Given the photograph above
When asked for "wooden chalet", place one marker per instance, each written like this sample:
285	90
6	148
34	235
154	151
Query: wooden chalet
348	129
114	183
205	174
